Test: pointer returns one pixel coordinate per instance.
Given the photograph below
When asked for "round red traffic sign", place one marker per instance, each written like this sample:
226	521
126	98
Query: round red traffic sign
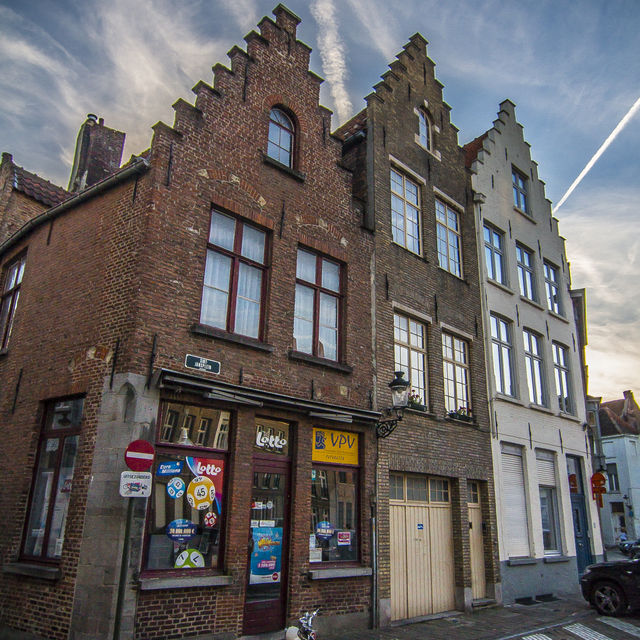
139	455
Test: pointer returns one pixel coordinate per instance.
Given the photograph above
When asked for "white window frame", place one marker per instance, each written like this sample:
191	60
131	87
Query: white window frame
534	364
448	238
455	368
494	253
410	208
552	287
502	354
280	143
520	190
525	259
409	355
424	129
562	374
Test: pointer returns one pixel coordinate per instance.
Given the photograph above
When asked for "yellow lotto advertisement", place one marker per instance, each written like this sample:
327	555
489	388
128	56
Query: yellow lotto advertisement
335	447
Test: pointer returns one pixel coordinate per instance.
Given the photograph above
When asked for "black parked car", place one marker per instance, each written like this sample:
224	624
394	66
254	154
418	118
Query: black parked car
611	587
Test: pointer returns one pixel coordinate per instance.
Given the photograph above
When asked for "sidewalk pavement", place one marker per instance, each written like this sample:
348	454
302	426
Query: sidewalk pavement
492	623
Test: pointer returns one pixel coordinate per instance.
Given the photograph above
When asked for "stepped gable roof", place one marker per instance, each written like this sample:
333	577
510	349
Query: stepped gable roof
620	417
471	149
351	127
38	188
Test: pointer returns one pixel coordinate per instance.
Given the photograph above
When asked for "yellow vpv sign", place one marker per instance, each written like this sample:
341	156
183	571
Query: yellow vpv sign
335	447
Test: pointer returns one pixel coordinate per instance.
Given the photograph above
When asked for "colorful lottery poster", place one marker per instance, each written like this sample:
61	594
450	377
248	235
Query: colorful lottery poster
212	469
266	557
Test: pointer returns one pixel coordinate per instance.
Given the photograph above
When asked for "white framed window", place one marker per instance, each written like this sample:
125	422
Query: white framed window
562	373
534	364
547	486
514	502
526	272
9	298
455	365
281	137
552	287
234	276
494	254
448	238
612	474
424	129
405	212
410	351
502	353
519	190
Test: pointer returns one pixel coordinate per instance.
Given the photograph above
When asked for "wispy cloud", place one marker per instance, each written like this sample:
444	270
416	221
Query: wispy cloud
332	53
380	26
607	265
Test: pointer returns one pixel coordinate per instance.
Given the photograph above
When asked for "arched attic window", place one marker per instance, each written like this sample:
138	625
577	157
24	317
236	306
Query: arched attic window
281	137
424	129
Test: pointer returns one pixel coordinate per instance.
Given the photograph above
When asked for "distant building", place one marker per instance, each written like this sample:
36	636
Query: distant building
546	516
620	432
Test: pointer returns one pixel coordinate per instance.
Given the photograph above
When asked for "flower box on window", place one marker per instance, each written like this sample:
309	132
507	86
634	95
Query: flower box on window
462	413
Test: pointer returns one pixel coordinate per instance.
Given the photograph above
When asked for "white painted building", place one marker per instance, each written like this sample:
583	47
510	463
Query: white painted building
620	429
547	520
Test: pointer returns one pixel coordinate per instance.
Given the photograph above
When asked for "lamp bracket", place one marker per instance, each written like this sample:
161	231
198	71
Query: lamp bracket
385	428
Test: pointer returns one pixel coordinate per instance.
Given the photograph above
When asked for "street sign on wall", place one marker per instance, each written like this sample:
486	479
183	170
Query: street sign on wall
201	364
135	484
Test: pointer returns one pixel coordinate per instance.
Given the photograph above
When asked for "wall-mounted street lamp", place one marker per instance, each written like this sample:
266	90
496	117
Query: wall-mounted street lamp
399	400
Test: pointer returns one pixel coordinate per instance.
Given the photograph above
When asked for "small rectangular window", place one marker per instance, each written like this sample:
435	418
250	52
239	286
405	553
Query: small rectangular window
317	312
526	273
410	348
552	286
519	190
234	276
405	212
448	238
52	482
502	354
438	490
494	254
612	474
563	377
9	298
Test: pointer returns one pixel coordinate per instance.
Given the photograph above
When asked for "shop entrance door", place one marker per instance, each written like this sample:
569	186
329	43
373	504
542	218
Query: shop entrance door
265	601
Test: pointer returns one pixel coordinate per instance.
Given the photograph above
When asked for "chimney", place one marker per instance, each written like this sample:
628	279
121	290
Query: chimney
98	153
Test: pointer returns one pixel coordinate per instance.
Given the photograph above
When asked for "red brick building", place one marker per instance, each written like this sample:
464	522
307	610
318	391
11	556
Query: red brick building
436	515
206	297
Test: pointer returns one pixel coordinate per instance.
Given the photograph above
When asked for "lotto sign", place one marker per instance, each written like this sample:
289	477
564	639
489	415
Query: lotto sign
176	488
201	493
139	455
189	559
210	519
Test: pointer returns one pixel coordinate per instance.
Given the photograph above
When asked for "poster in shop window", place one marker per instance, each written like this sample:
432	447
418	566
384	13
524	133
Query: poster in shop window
266	556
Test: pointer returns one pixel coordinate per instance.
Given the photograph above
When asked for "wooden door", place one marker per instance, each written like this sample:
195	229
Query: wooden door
476	539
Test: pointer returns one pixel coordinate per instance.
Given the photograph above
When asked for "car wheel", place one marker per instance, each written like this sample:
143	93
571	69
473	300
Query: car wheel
609	599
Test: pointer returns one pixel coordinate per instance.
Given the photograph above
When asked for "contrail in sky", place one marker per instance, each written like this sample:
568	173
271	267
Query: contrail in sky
612	136
333	55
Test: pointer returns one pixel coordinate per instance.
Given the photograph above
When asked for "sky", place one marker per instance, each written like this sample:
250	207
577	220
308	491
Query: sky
571	66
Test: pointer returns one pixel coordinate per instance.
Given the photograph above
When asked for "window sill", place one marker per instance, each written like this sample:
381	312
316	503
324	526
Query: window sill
4	352
186	582
296	175
533	303
44	572
457	277
323	362
420	409
555	558
347	572
504	287
212	332
525	214
511	399
541	408
471	423
557	315
569	416
516	562
413	253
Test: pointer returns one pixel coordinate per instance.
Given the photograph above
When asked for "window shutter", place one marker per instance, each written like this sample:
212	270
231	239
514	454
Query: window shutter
514	502
545	461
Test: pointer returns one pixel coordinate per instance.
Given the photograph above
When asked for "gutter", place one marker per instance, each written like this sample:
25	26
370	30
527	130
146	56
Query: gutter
140	166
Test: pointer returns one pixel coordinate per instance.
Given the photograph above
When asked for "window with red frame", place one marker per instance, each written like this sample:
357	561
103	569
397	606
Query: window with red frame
316	325
186	515
51	489
234	277
10	295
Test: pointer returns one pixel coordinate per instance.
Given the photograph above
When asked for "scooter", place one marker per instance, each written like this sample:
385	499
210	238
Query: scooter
628	546
305	631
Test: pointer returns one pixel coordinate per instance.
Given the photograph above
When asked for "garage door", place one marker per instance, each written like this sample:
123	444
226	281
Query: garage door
422	578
